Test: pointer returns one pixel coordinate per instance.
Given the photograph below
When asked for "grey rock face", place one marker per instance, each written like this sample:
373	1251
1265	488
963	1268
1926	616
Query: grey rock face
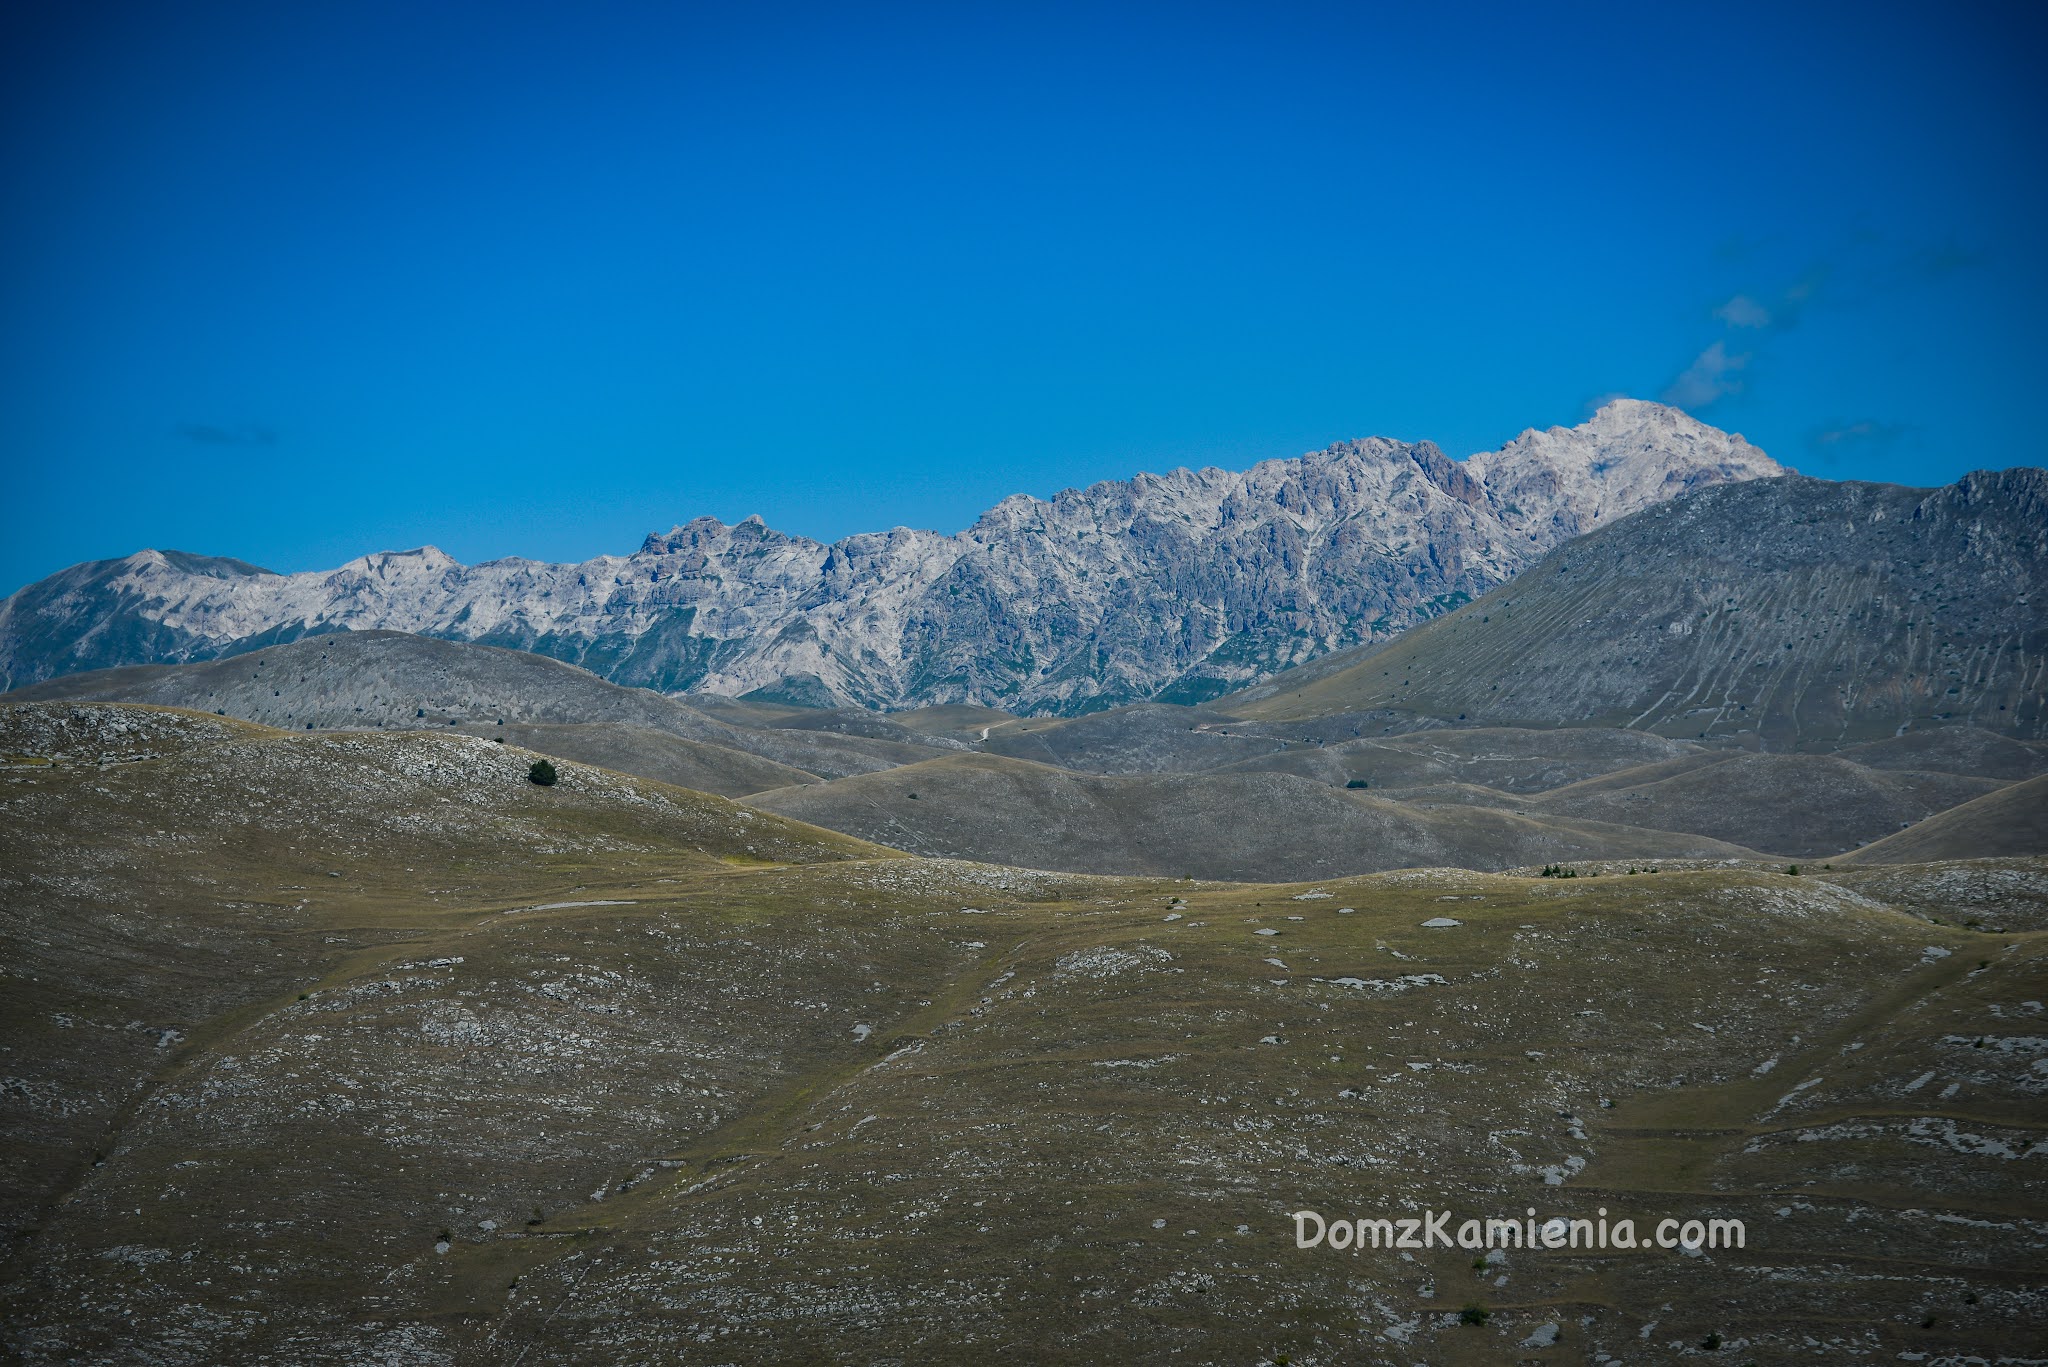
1181	586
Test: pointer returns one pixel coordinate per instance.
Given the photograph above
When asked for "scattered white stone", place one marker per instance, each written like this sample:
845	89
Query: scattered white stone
1266	930
1403	983
861	1032
1107	961
1440	923
560	906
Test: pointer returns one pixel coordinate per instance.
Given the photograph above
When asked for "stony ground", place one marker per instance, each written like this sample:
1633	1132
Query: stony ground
362	1048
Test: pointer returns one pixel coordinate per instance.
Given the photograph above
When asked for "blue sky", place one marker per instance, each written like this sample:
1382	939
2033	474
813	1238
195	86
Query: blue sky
297	282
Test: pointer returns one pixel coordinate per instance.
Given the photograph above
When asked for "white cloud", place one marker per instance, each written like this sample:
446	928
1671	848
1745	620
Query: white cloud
1744	312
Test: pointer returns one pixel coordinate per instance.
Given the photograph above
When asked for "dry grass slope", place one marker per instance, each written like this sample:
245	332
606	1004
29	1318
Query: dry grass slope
1242	826
611	1073
1800	805
651	754
391	680
2011	821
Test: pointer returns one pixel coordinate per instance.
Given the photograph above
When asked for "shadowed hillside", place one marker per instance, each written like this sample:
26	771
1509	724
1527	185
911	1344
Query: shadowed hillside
1805	805
2010	821
1954	750
1510	759
1803	613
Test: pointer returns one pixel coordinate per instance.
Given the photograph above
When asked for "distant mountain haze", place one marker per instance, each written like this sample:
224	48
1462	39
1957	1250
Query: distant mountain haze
1181	586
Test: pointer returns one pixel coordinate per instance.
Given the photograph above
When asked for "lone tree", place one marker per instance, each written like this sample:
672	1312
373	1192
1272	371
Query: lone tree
542	773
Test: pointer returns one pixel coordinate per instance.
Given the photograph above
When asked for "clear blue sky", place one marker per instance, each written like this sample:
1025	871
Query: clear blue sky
294	282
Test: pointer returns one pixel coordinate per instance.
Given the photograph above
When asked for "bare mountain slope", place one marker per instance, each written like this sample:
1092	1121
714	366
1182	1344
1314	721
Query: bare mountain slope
1242	827
1192	582
1801	613
1954	750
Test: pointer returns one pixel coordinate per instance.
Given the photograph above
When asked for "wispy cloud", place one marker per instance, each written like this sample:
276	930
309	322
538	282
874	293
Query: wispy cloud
1832	441
1863	268
1713	374
213	434
1744	312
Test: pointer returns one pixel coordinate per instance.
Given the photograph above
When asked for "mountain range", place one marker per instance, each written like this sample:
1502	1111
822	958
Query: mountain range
1181	586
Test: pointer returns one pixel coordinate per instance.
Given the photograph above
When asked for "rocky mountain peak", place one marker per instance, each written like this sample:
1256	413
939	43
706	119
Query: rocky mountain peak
1181	585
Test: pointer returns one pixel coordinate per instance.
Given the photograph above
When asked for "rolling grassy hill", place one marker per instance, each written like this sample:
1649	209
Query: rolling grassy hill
2009	821
1805	805
1244	826
361	1048
1197	791
391	680
651	754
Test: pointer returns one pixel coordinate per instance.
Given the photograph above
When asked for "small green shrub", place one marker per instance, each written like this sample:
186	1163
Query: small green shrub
542	773
1474	1313
1358	783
